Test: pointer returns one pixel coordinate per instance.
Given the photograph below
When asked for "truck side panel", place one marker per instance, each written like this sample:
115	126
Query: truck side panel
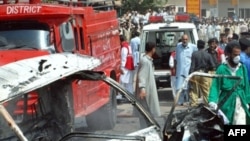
101	39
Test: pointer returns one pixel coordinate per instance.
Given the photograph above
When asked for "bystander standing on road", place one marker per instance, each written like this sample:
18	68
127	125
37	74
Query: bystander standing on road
235	37
135	45
227	31
146	90
237	28
184	52
217	31
210	30
173	72
229	38
245	35
217	55
245	54
200	86
243	27
126	30
127	74
222	27
236	107
223	41
215	51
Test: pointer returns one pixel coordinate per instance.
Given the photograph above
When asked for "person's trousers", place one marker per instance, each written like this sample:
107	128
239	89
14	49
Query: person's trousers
200	87
172	83
183	97
129	87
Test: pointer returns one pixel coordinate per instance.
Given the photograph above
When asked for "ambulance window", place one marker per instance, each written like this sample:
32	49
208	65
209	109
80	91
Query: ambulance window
67	37
192	37
170	39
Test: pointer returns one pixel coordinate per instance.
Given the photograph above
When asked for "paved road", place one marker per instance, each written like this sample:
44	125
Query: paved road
127	123
166	103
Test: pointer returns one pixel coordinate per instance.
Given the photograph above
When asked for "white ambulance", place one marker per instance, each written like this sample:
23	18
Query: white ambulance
166	36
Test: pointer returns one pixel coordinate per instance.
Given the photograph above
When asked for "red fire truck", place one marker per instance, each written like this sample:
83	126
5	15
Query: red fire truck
30	29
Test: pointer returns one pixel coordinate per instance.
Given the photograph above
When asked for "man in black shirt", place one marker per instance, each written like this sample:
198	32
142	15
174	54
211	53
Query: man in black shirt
201	61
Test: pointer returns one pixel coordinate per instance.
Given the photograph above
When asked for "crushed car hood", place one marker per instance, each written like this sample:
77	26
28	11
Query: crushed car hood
29	74
23	76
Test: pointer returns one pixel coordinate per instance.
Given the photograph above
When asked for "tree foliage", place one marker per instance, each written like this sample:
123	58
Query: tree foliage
137	5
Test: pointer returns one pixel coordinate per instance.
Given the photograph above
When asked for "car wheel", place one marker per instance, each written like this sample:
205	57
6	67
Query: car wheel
106	116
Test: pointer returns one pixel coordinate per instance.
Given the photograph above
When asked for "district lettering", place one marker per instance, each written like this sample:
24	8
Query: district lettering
22	9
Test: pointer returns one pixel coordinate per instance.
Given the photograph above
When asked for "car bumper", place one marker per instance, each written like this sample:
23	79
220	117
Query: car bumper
162	81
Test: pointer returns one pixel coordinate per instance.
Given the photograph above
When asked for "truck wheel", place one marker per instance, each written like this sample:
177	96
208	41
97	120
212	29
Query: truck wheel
62	108
105	117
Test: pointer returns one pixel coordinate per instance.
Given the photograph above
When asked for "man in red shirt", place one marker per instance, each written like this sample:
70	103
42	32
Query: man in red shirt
215	51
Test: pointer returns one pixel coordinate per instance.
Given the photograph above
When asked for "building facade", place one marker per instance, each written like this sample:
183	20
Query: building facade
180	5
225	8
218	8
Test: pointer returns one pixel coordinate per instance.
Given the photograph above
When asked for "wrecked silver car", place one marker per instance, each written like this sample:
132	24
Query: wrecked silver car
200	123
52	117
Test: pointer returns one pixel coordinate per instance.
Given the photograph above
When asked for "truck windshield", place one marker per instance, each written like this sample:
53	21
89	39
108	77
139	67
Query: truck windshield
24	38
28	34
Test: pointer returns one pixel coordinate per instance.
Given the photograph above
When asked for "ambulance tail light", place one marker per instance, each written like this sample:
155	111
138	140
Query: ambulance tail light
176	18
156	19
182	17
34	1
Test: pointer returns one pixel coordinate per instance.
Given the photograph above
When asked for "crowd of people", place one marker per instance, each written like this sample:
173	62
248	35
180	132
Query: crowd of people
133	21
232	58
227	53
142	70
208	29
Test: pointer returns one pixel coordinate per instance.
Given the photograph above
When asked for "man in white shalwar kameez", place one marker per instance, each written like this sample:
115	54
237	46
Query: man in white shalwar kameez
237	28
217	31
127	76
146	91
210	31
204	32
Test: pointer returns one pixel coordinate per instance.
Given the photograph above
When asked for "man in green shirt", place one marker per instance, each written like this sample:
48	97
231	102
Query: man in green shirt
236	107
